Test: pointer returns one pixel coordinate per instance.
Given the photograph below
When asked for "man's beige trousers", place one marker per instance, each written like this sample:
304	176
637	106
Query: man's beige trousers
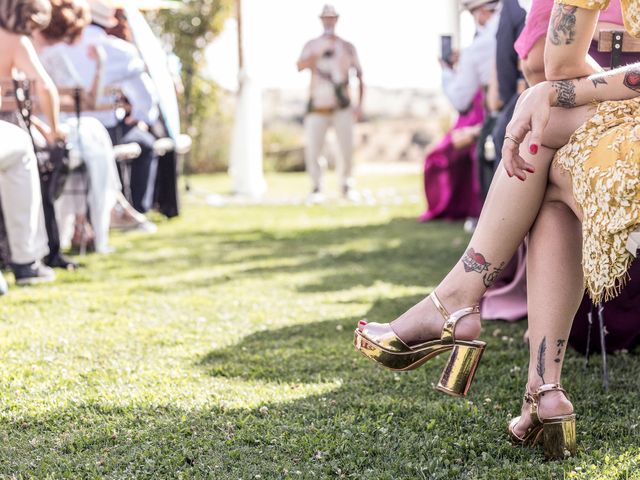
316	126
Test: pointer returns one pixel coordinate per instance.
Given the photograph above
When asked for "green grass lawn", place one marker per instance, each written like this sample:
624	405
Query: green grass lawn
221	347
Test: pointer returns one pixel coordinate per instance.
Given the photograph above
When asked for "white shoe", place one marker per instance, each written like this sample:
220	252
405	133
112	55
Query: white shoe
316	197
351	194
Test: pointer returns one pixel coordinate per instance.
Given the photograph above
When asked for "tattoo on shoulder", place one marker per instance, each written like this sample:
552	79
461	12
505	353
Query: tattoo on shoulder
566	91
632	79
475	262
598	80
562	27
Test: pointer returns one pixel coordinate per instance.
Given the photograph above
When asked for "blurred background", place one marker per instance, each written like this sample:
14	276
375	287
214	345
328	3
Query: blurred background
398	45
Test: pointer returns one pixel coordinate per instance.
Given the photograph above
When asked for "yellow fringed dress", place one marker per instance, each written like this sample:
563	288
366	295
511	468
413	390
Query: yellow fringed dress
603	158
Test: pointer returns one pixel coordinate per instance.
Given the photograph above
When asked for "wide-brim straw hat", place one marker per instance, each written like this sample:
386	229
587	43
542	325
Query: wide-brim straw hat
473	4
103	13
329	11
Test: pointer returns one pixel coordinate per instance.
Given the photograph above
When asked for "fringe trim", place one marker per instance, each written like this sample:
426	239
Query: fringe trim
616	285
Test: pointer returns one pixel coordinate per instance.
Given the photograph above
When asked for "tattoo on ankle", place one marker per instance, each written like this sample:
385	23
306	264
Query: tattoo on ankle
562	27
560	345
541	352
490	278
475	262
566	91
632	79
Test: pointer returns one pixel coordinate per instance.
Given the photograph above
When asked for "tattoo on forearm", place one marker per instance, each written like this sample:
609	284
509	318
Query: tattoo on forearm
560	345
475	262
632	79
566	91
598	80
562	27
541	352
489	278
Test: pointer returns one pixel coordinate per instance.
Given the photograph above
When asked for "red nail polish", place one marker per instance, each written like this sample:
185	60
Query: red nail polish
533	148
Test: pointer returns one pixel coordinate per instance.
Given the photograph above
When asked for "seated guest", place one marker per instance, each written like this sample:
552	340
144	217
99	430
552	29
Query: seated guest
451	183
18	19
19	180
86	135
20	193
124	70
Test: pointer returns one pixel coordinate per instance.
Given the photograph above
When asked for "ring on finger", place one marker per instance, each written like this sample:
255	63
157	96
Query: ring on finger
512	138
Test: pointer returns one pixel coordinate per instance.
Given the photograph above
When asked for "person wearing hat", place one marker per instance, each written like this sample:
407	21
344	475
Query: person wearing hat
461	80
331	61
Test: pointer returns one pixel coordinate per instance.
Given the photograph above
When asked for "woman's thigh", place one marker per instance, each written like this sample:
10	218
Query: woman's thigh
563	122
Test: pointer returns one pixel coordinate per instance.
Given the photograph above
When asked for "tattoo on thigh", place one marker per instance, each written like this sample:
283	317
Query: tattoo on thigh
560	345
632	79
489	278
562	27
566	91
541	352
475	262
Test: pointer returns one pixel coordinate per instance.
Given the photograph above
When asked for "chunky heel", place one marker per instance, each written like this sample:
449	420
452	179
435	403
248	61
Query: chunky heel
559	437
460	369
557	434
378	342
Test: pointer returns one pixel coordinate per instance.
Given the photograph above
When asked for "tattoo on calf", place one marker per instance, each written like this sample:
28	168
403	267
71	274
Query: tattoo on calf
475	262
632	79
541	352
562	27
566	91
489	278
560	345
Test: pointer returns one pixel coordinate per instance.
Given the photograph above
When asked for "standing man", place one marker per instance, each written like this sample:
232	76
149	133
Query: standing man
331	61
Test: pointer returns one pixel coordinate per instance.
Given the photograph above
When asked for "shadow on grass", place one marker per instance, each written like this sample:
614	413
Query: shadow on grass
399	252
373	424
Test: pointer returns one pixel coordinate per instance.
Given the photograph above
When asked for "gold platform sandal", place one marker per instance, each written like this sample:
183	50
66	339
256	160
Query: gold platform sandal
379	343
556	434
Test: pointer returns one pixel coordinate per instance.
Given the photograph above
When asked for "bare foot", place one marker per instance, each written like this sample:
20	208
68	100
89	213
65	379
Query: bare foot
424	322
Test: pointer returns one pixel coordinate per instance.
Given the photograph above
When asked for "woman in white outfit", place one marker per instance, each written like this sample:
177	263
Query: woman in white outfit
88	138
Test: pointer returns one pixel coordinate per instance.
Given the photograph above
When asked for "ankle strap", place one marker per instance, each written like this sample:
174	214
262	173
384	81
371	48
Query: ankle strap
450	319
550	387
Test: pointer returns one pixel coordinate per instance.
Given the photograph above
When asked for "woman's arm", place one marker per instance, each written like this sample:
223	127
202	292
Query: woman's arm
566	51
26	60
534	108
97	54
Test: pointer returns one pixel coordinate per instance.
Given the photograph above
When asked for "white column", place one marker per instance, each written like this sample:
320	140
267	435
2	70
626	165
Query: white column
246	162
453	20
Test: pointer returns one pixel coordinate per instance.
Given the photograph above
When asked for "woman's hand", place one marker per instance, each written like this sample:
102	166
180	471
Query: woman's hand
530	116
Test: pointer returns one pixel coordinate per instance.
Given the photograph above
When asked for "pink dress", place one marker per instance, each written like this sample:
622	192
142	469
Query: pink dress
537	23
451	184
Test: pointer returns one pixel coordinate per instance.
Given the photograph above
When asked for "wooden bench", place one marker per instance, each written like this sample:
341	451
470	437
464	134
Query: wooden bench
617	42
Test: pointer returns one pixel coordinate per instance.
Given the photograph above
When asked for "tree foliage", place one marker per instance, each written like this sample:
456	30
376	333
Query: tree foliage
188	31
